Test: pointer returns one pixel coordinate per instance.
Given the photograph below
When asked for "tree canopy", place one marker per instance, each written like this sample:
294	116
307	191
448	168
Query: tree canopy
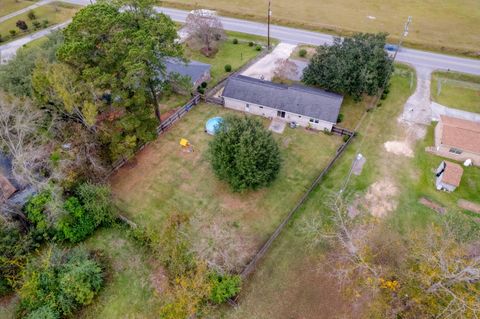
109	67
355	66
244	154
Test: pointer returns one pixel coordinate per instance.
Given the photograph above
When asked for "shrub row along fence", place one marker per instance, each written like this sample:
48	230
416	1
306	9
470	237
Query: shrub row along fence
164	126
249	269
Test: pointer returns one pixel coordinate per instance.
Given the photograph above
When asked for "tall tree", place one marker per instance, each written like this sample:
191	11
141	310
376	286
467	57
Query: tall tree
205	31
355	66
110	66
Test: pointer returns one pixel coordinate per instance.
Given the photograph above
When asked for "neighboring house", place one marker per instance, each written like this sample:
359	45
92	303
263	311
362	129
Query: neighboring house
308	107
7	187
449	176
197	71
10	190
457	139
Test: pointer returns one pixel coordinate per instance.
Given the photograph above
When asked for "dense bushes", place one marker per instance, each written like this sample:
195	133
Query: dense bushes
228	68
244	154
14	250
83	212
57	283
223	287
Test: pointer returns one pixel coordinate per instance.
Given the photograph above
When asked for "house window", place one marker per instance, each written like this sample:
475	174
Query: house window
281	114
314	121
311	120
455	151
299	116
261	107
247	105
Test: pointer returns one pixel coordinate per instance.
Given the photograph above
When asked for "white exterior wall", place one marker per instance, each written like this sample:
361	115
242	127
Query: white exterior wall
272	113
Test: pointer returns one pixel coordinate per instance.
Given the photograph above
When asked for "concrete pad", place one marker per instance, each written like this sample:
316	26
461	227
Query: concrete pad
264	68
277	126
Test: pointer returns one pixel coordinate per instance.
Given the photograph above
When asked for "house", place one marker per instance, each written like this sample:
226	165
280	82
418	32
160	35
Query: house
197	71
7	187
308	107
10	190
457	139
448	176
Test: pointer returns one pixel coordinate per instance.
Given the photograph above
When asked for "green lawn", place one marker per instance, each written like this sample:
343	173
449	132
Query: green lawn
10	6
456	90
448	26
184	182
292	281
54	13
128	291
228	53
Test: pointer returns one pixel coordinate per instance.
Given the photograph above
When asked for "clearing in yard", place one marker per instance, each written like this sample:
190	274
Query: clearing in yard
163	179
456	90
10	6
449	25
228	53
297	272
53	13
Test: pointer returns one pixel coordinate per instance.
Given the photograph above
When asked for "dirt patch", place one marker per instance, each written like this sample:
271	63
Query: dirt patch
399	148
158	278
380	198
431	204
470	206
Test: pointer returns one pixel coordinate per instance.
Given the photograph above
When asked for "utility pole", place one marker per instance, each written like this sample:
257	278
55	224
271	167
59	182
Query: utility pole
404	35
400	42
268	31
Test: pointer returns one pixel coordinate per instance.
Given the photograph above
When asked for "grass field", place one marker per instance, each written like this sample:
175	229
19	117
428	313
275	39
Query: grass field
54	13
10	6
228	53
450	25
184	182
456	90
295	274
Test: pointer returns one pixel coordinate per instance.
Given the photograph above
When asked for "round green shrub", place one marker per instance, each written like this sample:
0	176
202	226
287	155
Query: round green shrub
228	68
258	47
302	53
224	287
200	90
251	44
204	85
340	118
235	41
244	154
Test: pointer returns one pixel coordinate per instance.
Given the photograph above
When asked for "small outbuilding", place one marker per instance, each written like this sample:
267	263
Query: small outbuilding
448	176
198	72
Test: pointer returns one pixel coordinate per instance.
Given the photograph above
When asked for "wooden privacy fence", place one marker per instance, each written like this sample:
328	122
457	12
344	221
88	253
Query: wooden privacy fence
165	125
263	250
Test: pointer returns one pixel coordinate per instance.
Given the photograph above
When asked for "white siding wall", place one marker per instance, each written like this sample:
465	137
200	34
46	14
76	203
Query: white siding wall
272	113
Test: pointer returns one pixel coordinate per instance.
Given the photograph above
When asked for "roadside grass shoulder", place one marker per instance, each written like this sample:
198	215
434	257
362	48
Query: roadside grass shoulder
449	27
456	90
10	6
53	13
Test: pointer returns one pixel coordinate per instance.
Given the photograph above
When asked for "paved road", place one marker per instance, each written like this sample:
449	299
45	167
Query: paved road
16	13
416	58
7	51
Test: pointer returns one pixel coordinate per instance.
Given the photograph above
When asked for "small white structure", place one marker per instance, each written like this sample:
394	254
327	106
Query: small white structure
307	107
449	176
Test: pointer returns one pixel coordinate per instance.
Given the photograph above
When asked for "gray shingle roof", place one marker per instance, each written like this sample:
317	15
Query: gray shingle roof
298	99
193	69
